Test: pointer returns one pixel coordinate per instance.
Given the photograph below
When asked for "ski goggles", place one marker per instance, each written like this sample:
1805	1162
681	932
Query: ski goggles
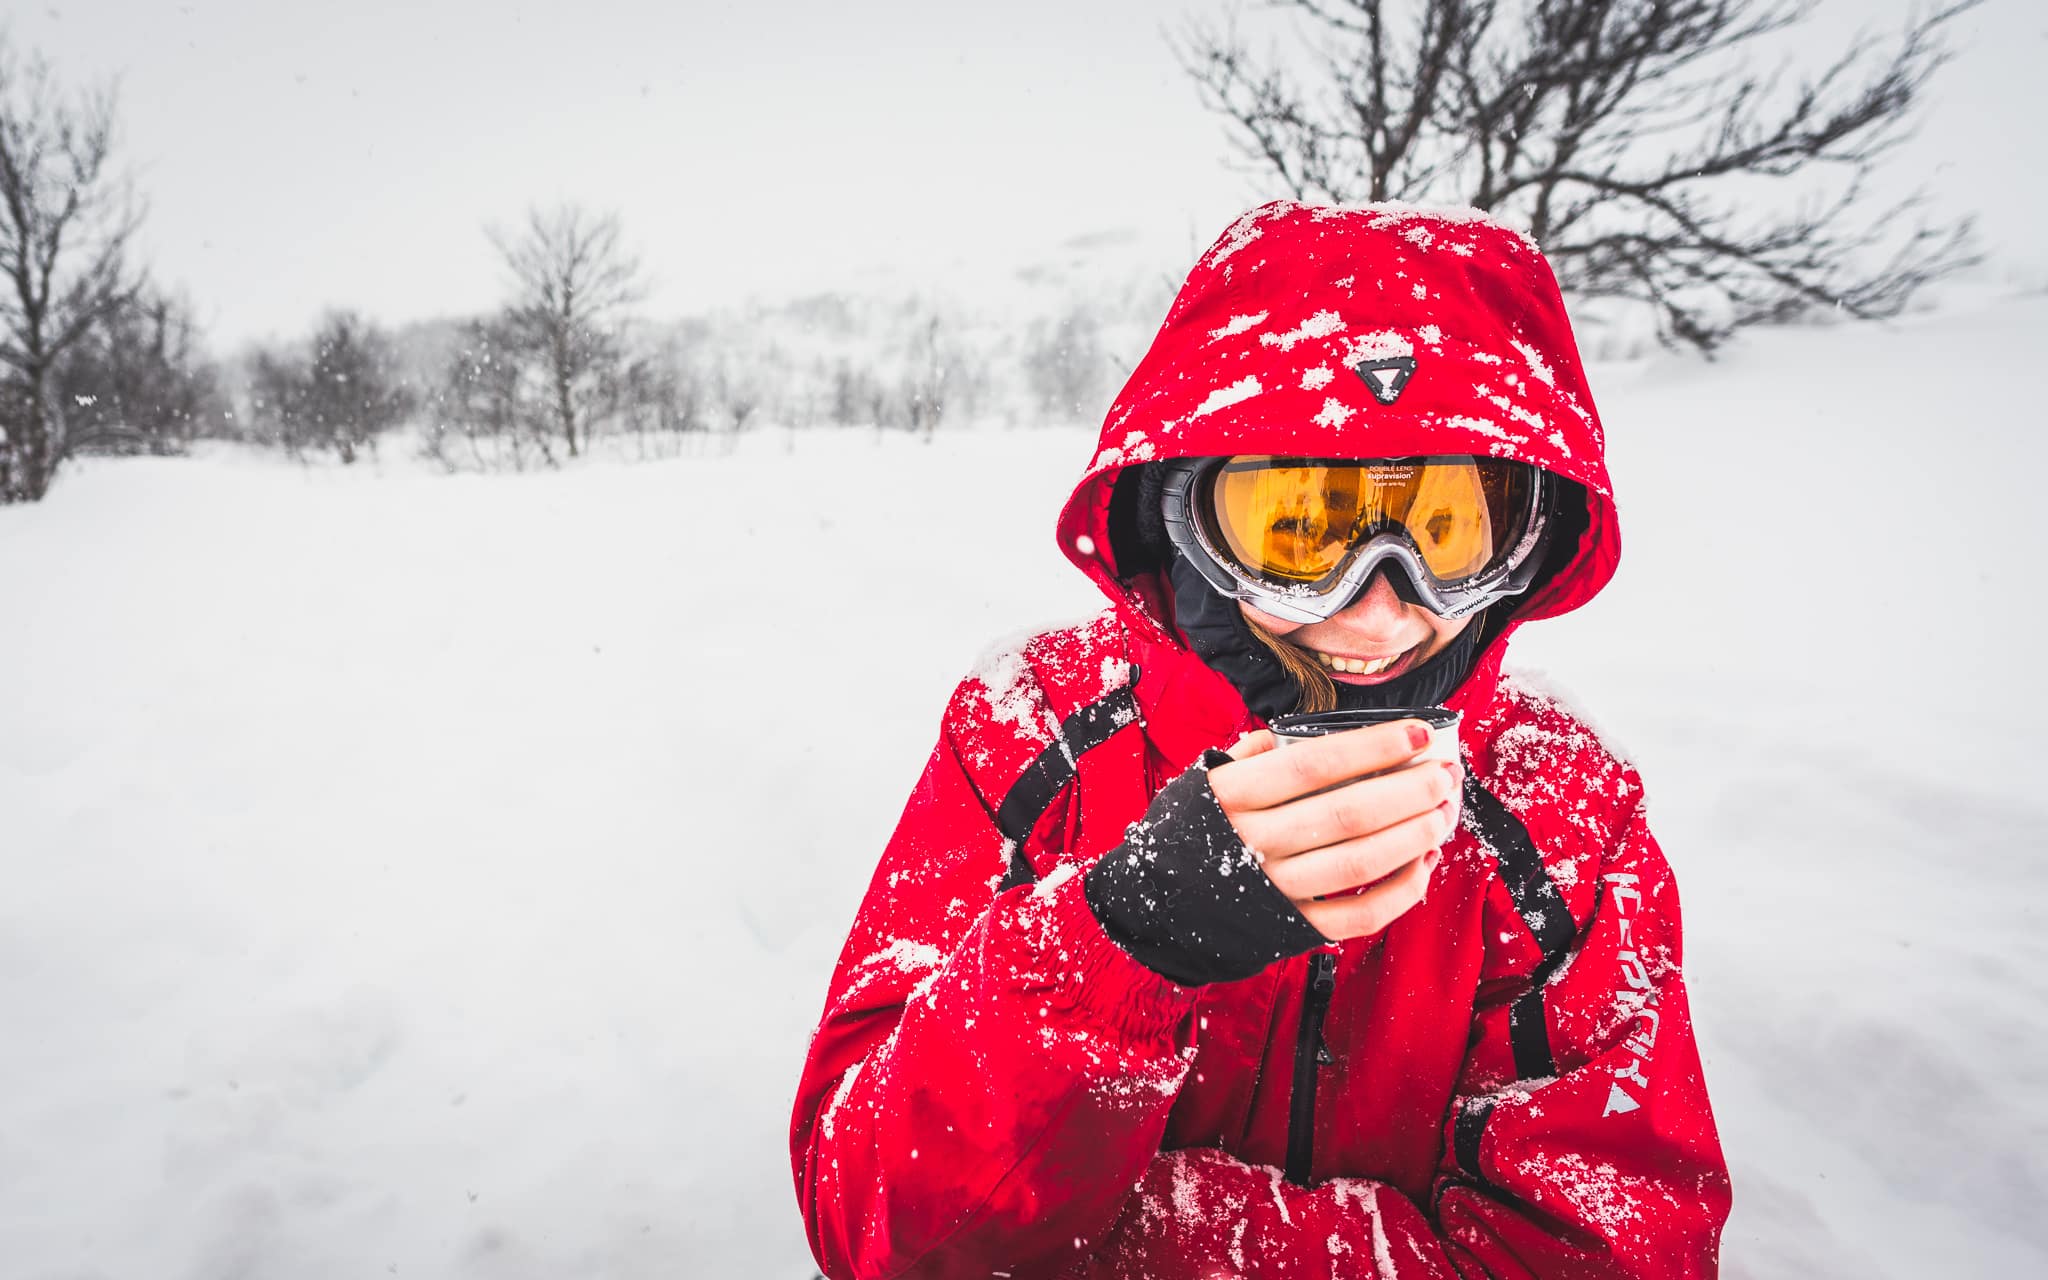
1299	538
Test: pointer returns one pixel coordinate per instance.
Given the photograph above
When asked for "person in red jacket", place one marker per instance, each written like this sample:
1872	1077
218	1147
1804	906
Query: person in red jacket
1132	993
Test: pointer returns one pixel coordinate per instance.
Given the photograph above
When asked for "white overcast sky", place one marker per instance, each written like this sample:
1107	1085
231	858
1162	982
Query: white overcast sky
299	156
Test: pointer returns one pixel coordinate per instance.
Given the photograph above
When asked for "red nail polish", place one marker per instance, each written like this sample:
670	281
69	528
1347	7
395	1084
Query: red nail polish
1418	735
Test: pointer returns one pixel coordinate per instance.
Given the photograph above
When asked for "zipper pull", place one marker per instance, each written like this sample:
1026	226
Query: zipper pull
1323	980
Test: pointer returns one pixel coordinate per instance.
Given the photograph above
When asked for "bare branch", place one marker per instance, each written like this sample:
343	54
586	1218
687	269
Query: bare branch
1650	145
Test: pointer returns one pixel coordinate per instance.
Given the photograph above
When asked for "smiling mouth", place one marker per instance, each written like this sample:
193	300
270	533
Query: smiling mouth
1365	670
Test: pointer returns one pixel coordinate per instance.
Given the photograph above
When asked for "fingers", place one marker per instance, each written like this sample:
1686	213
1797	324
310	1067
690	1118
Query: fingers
1356	809
1324	829
1364	914
1362	860
1263	777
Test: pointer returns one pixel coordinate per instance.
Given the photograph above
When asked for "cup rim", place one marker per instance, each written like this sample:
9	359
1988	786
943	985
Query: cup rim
1317	724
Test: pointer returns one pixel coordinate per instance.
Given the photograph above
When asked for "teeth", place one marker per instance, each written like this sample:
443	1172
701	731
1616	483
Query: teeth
1355	666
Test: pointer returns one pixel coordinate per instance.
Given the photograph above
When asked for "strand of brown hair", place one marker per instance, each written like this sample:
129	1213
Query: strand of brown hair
1318	691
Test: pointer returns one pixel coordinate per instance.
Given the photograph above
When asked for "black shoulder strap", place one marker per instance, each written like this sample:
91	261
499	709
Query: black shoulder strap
1541	907
1040	784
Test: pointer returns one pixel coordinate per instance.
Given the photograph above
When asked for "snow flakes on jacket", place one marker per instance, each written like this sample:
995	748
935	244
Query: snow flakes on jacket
1507	1083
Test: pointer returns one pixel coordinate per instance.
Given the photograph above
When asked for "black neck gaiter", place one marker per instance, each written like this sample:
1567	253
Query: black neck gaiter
1216	630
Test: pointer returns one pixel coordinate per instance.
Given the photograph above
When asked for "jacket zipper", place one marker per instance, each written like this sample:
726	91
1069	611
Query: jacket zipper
1309	1053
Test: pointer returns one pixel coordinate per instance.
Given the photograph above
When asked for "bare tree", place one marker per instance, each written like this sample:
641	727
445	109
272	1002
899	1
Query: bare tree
574	281
483	415
856	395
136	382
65	224
1065	366
934	376
564	364
737	386
341	396
1637	140
657	397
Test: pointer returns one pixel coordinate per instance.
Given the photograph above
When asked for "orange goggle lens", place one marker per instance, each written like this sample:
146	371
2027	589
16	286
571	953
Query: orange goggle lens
1293	520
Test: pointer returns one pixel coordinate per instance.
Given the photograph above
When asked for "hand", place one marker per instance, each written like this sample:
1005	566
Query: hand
1385	833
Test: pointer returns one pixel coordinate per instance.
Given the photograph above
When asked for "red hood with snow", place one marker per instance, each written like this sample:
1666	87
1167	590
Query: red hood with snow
1261	352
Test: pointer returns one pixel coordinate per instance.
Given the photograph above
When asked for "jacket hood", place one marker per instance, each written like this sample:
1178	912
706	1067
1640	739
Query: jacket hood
1297	324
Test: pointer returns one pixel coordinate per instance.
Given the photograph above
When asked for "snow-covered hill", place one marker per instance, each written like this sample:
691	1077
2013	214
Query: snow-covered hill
438	876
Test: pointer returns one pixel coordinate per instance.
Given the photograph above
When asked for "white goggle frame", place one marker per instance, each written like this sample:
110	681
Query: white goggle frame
1319	601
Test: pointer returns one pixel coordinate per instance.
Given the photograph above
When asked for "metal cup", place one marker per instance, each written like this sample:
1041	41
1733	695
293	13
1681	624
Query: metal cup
1443	730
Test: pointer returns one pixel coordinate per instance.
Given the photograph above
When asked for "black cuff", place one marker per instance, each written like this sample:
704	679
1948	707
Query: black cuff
1185	897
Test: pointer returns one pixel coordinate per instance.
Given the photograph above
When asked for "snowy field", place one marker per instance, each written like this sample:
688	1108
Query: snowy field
435	876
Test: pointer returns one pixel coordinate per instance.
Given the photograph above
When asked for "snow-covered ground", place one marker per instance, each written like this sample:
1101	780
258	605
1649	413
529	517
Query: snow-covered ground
439	876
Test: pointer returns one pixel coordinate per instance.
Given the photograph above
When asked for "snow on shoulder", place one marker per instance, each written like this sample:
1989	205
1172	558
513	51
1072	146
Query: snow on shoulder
1009	692
1548	756
1084	659
1550	701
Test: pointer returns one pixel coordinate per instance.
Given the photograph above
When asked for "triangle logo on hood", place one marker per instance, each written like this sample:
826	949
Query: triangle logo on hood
1385	378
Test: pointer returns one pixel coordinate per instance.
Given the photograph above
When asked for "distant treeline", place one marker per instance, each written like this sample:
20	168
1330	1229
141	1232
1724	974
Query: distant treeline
531	385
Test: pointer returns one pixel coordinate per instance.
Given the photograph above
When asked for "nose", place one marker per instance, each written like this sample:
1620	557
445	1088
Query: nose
1378	606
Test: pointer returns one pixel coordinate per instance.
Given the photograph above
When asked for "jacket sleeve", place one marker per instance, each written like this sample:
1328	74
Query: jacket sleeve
992	1074
1608	1168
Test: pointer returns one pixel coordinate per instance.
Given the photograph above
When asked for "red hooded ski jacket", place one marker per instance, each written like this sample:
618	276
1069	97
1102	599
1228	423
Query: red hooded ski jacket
1502	1083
